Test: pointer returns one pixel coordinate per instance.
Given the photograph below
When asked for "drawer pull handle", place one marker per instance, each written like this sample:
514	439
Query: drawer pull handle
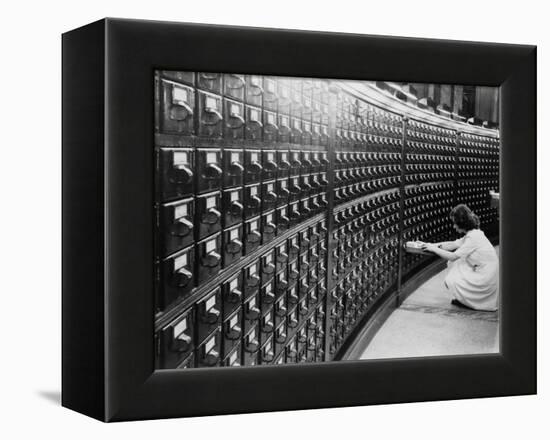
182	227
238	84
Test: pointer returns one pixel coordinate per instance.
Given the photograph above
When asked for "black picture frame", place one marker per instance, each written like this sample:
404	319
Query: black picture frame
108	365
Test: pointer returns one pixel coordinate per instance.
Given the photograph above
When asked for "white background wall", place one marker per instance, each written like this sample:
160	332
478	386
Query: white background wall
31	217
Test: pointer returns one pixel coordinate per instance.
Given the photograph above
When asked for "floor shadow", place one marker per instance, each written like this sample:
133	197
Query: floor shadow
52	396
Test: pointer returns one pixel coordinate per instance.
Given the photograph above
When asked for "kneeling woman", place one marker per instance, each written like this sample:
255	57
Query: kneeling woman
473	263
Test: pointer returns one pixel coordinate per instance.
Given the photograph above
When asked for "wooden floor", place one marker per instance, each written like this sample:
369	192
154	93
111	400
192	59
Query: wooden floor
426	324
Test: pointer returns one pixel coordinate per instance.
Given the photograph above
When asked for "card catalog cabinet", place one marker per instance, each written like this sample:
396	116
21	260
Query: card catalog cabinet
281	208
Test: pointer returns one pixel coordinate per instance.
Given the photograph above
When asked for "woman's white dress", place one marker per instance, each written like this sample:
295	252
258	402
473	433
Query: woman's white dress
473	278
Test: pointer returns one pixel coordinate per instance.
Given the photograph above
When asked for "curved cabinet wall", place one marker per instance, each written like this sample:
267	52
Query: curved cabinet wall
281	204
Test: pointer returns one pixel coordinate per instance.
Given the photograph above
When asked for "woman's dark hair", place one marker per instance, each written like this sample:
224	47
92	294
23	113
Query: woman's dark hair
464	218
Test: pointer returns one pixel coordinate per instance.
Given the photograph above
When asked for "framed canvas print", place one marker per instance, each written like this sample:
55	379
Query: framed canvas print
262	219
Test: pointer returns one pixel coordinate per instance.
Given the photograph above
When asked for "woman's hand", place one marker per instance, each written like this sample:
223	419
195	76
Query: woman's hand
436	248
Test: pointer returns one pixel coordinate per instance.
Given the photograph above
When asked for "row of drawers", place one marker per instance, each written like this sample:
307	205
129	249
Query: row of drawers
428	138
215	169
434	217
431	149
479	194
423	168
363	212
479	143
479	173
414	158
354	159
354	141
358	141
424	193
366	228
233	167
492	153
183	171
238	106
347	193
181	273
374	223
360	122
430	200
413	210
364	173
243	214
415	126
469	161
357	113
185	110
427	177
231	316
273	93
305	346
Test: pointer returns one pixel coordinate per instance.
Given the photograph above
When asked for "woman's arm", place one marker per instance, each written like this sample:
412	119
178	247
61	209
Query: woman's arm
447	245
432	247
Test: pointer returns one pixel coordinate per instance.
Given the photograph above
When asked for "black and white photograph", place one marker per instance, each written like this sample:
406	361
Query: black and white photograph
305	220
289	219
276	220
